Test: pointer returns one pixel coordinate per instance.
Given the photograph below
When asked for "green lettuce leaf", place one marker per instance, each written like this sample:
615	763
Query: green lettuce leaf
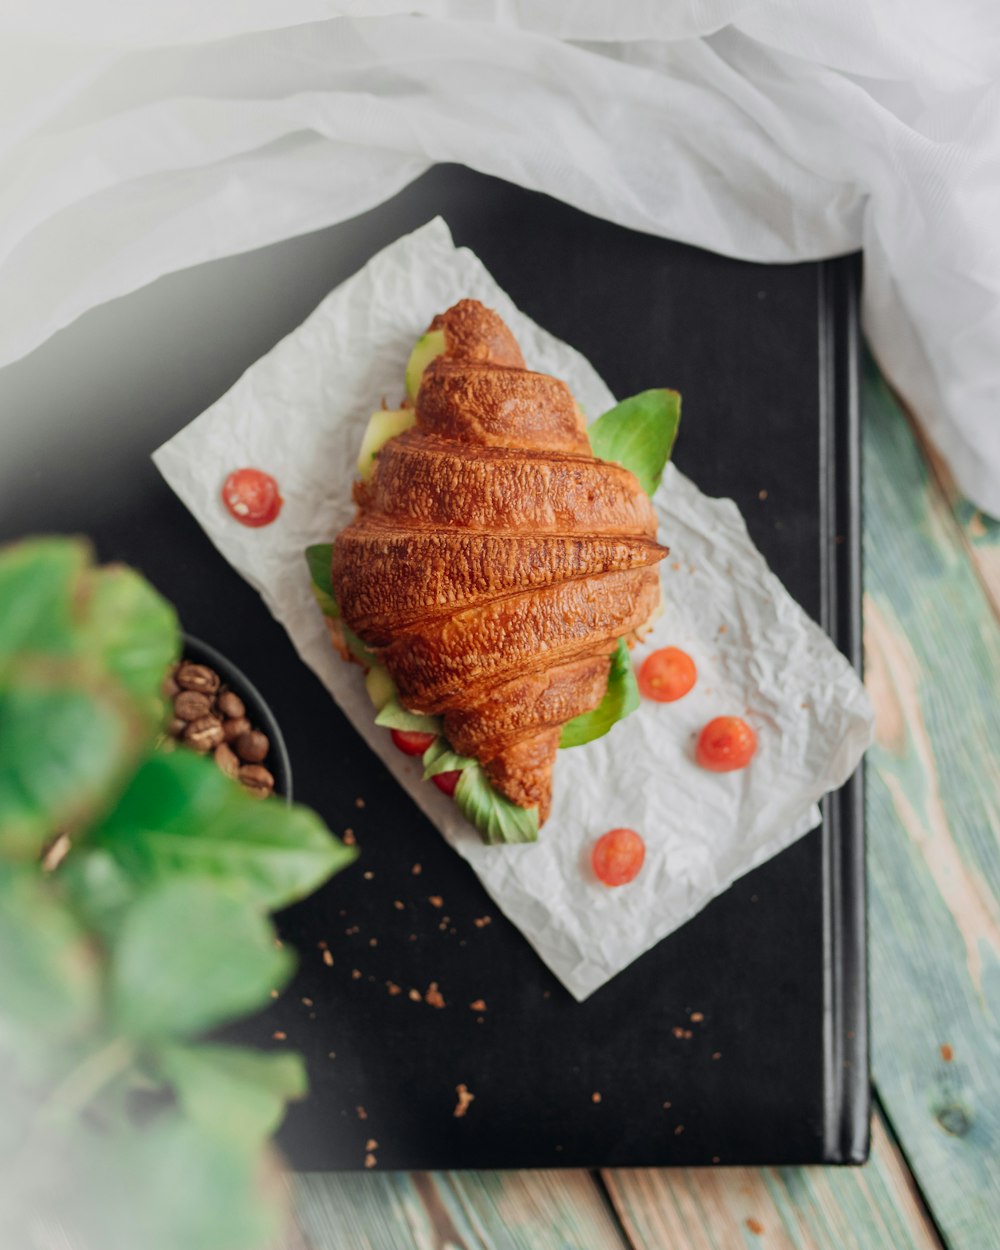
497	818
639	434
620	698
440	758
395	716
319	558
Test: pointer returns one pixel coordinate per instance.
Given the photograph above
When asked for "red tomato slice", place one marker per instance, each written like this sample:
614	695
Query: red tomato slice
726	744
446	782
667	674
252	497
411	741
617	856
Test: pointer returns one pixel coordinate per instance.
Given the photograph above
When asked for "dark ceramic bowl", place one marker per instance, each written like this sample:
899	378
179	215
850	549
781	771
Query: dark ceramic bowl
259	714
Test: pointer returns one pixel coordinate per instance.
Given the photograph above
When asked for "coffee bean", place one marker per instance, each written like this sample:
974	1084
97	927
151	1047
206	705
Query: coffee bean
252	746
230	705
197	677
226	759
233	728
204	734
192	705
256	780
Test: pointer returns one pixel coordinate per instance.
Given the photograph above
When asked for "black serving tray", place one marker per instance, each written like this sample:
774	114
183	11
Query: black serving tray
766	358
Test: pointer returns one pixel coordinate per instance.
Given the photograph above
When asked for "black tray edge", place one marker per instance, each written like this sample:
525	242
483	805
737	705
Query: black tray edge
847	1092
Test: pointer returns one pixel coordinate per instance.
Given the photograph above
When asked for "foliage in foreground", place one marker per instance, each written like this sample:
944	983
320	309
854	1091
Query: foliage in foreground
120	1127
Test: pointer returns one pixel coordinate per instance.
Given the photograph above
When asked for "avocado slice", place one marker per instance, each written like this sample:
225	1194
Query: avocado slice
428	346
380	686
381	427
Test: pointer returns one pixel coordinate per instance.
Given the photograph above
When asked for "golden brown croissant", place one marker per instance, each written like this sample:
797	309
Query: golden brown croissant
494	562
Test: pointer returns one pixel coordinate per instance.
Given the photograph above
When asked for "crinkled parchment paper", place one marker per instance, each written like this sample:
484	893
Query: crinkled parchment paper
299	413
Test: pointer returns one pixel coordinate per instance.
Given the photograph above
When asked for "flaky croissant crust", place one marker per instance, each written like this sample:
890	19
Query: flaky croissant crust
494	562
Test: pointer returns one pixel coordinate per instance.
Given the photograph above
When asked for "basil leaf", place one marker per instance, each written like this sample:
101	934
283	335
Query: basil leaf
229	1091
497	818
639	434
620	698
395	716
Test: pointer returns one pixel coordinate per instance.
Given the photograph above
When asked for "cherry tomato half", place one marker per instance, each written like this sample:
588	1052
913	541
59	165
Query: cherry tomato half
617	856
252	497
667	674
726	744
411	741
446	782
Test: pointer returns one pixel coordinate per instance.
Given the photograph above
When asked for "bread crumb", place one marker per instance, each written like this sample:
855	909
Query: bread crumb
755	1226
359	803
274	993
373	941
947	1054
676	566
370	1160
416	870
667	1106
349	839
717	1054
415	996
355	974
321	945
328	959
464	1098
434	997
715	1158
595	1096
393	988
398	904
369	875
361	1113
307	1002
355	928
762	495
697	1017
478	1005
482	921
435	900
279	1036
678	1130
371	1144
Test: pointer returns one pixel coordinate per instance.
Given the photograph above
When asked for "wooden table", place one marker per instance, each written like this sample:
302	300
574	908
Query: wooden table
932	572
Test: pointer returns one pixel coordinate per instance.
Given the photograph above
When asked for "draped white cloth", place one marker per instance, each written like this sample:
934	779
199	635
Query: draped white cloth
142	136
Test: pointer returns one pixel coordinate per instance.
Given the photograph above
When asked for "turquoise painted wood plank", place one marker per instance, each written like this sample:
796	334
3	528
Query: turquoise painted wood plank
933	669
814	1208
452	1211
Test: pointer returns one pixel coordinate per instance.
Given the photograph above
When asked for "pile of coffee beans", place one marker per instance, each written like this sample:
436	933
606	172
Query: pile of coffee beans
208	717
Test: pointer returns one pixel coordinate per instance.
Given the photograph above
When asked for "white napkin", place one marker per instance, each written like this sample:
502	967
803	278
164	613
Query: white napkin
140	138
299	413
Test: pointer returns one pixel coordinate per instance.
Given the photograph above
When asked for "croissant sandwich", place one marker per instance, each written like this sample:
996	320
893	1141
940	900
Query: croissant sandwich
494	567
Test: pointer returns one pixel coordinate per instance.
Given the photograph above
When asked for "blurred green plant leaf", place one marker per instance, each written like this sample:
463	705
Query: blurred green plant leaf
230	1091
189	956
180	816
134	632
62	749
639	433
50	974
168	1185
39	581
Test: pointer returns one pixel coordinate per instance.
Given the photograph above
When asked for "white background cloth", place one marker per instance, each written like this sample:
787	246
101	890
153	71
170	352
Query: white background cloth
142	136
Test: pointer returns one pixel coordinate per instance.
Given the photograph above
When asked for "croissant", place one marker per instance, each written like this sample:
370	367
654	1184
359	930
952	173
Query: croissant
494	561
